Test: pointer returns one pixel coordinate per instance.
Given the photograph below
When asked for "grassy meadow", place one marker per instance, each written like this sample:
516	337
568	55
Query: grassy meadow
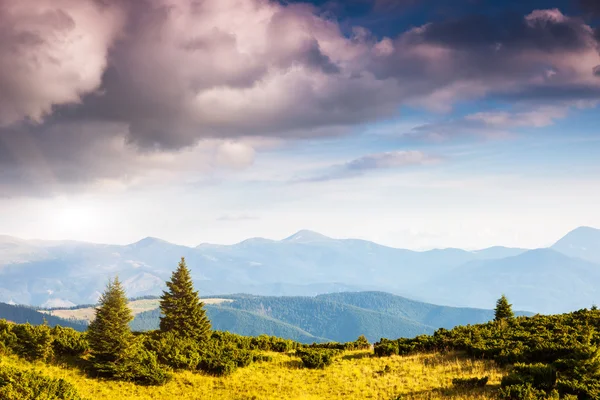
136	306
354	375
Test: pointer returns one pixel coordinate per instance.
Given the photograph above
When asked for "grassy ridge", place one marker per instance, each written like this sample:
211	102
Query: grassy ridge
355	375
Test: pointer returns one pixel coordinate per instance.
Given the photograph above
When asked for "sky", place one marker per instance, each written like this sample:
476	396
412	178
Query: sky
413	123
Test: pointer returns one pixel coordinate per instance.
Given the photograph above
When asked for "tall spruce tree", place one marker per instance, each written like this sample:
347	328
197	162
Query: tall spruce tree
503	309
109	333
183	312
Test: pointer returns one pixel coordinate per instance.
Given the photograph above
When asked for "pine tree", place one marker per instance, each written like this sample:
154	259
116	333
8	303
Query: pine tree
182	311
503	309
109	333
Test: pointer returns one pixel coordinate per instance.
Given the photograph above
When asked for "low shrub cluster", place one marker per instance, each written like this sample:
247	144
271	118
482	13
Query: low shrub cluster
16	384
135	364
359	344
262	342
554	355
41	342
220	355
317	358
470	383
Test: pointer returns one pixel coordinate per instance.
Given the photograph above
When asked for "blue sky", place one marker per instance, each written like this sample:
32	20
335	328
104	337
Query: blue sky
416	124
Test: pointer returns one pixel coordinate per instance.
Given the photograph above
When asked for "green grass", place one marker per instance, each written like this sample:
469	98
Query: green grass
354	375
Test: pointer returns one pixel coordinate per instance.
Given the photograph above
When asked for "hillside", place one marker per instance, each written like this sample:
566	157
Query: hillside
236	321
423	313
339	317
354	376
23	314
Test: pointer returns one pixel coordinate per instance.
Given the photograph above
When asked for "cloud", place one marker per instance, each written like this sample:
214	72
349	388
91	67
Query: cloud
52	52
68	157
490	124
362	165
107	89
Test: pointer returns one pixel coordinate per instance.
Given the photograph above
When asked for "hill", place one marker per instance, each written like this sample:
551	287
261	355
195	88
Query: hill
423	313
339	317
240	322
23	314
353	376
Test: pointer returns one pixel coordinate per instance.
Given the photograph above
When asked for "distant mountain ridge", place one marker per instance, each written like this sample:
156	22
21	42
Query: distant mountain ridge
305	263
583	242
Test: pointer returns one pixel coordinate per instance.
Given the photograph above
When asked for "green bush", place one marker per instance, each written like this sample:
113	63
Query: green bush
522	392
386	348
68	342
33	342
539	376
261	358
136	364
317	358
177	353
219	359
16	384
8	339
216	366
470	383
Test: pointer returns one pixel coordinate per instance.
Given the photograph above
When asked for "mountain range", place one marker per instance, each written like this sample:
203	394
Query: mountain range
63	273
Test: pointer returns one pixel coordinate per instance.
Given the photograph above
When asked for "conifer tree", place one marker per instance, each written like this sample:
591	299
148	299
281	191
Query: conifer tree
503	309
182	311
109	333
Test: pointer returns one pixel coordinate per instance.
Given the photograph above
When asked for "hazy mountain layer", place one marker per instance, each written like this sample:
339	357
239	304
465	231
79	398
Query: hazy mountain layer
307	263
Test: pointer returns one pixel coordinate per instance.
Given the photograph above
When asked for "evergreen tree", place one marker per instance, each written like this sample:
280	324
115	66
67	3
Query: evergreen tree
182	311
109	333
503	309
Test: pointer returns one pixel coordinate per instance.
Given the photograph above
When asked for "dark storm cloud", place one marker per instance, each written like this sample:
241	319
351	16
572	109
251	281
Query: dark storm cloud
141	77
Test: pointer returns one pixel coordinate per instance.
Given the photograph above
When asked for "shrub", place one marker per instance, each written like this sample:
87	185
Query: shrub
261	358
216	366
32	342
8	339
18	384
136	364
218	359
68	342
522	392
317	358
470	383
539	376
386	349
177	353
361	343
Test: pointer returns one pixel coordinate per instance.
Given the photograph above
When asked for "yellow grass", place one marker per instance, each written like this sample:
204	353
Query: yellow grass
137	306
356	375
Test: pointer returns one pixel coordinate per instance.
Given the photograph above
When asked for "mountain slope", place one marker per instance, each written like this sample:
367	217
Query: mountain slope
339	316
424	313
583	242
237	321
540	280
329	319
22	315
